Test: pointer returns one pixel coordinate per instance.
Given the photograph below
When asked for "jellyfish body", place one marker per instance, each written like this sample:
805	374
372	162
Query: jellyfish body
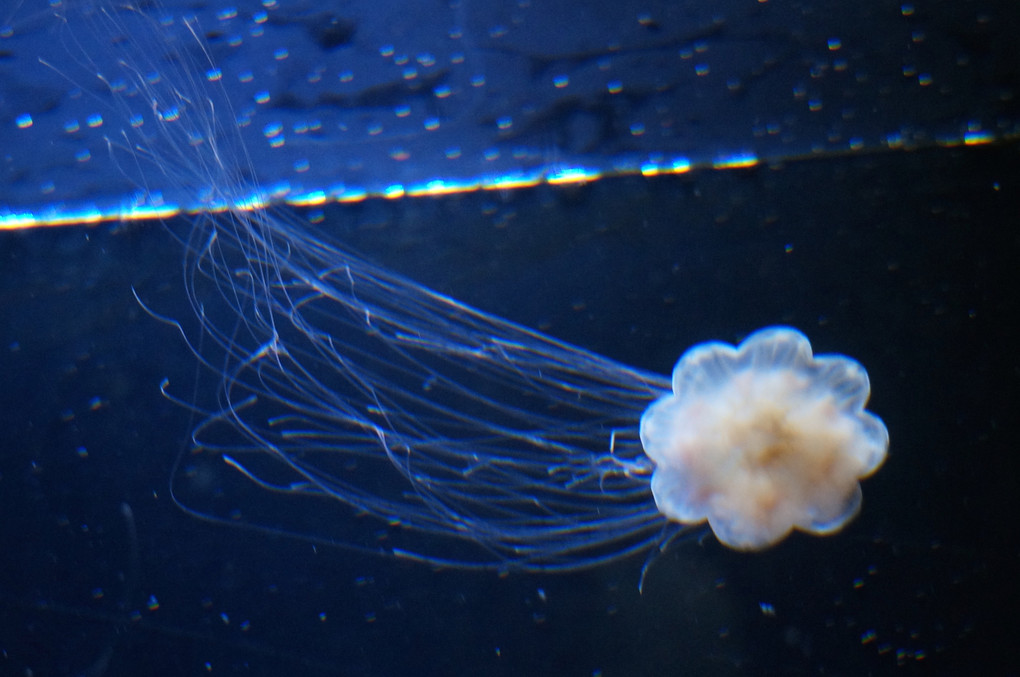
762	439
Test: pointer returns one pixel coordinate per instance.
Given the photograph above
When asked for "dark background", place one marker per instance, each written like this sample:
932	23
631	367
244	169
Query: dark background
906	261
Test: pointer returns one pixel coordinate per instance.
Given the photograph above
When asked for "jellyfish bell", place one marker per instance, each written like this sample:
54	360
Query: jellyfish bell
762	439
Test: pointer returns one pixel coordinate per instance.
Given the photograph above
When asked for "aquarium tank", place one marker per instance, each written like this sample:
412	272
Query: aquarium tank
509	338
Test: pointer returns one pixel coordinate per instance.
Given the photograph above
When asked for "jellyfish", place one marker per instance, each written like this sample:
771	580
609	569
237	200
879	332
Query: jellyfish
353	406
453	437
761	439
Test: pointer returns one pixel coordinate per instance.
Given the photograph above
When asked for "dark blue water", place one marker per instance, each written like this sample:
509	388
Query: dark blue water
905	260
